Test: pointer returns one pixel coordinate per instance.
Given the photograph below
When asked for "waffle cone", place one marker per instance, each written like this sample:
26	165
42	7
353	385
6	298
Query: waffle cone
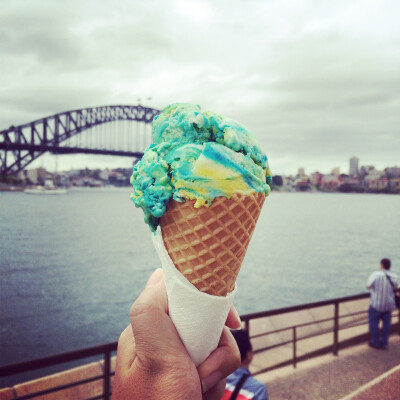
207	245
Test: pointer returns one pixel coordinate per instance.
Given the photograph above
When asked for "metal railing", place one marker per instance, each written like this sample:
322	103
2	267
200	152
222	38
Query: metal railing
106	350
359	318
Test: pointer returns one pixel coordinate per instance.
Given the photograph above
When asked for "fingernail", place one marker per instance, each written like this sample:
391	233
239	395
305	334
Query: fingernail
155	277
237	318
211	380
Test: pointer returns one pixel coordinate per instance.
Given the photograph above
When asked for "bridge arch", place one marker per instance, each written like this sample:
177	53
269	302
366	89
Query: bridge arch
22	144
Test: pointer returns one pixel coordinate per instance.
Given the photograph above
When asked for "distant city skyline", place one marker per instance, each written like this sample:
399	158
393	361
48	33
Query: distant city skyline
367	179
81	161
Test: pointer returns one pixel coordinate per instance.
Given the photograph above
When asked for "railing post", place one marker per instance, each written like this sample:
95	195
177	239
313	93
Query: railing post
247	326
336	329
106	378
294	347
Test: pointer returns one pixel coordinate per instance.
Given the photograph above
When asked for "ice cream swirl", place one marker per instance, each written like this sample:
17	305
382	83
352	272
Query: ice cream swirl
197	156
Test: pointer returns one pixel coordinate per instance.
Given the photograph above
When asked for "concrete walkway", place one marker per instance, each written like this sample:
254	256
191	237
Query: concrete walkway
386	386
331	378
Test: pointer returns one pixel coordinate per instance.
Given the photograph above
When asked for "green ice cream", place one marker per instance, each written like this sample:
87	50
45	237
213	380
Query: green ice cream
196	156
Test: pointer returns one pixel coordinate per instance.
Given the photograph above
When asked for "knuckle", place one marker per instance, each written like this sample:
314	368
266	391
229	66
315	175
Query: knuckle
233	358
140	307
236	361
122	336
146	302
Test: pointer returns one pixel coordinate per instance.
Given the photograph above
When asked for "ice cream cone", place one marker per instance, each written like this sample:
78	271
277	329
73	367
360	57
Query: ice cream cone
207	245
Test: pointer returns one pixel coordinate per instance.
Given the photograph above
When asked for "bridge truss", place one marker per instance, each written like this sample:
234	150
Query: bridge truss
59	133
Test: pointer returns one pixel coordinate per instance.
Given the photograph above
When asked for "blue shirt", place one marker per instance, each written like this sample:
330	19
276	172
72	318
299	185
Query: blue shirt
382	297
252	389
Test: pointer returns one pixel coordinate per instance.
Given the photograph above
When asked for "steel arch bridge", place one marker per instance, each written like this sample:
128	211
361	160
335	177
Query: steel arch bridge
22	144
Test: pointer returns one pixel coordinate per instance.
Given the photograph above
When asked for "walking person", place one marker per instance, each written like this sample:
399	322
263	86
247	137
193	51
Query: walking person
382	284
240	385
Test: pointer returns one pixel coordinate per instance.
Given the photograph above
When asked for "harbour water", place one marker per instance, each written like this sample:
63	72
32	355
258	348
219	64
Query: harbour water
72	265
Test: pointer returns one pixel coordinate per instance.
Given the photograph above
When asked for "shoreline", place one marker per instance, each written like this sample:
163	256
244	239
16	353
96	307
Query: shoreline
111	188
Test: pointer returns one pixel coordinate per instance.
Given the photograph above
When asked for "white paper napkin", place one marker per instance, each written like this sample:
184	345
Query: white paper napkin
198	317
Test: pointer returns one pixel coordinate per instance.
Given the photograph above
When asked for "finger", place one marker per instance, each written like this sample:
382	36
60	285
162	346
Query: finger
155	334
126	341
155	277
216	392
126	349
221	362
233	319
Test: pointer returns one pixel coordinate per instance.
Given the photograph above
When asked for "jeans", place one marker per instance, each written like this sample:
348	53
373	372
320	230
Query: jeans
379	339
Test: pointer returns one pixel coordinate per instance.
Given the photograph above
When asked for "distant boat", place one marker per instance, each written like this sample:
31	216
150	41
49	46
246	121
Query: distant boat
45	190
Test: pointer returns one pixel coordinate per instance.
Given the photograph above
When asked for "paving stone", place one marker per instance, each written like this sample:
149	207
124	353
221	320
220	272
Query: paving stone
387	388
336	379
314	343
271	357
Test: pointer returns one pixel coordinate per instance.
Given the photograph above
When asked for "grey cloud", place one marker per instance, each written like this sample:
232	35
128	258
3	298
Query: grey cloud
48	98
57	47
316	83
68	40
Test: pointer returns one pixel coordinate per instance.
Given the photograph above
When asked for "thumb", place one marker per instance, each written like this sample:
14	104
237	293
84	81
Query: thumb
155	334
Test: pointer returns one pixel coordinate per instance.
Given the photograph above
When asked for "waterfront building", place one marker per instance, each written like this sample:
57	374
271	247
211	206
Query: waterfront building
394	183
316	178
21	175
302	185
104	175
301	175
336	171
351	180
392	172
330	183
376	181
353	171
36	175
288	181
367	169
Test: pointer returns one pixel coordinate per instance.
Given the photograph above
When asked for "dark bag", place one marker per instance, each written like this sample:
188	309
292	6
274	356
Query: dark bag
396	295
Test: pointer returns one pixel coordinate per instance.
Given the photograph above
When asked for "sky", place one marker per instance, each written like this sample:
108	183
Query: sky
316	81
